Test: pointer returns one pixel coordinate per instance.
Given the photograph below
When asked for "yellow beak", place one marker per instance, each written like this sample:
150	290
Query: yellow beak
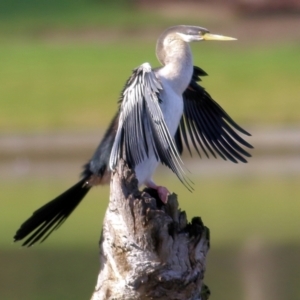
216	37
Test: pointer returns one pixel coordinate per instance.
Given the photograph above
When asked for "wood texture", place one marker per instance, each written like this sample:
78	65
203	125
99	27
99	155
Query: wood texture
148	250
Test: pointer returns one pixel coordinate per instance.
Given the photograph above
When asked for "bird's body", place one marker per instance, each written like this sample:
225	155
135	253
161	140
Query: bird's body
172	112
159	108
171	106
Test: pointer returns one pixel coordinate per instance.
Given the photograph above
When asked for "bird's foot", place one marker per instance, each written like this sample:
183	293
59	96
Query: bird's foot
162	191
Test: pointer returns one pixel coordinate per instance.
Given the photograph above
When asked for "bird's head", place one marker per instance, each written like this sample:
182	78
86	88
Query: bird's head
182	34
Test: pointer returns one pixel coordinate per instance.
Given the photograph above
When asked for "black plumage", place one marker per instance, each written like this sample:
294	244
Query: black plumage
208	125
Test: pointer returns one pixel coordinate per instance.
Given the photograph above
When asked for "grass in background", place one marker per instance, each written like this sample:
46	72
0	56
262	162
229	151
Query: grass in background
52	77
72	86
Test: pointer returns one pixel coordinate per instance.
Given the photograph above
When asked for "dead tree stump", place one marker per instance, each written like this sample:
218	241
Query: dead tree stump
148	250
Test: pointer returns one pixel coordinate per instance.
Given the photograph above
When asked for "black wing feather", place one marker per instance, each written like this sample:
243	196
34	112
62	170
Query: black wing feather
209	126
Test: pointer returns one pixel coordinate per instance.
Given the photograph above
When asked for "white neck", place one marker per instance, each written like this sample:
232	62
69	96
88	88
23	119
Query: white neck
178	64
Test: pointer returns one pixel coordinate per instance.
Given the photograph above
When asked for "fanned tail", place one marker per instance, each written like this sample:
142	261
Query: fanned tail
51	215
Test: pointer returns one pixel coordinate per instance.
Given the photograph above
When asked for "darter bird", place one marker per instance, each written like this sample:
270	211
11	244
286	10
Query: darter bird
160	110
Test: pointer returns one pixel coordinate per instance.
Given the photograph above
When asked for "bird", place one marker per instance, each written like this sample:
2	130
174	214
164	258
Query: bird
160	111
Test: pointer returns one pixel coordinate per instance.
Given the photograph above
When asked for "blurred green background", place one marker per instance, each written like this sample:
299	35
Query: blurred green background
62	67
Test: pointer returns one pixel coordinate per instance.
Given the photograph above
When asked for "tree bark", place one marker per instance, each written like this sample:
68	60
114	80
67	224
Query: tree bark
148	250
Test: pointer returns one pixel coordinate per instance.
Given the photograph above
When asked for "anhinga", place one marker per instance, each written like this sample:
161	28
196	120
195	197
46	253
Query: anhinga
160	109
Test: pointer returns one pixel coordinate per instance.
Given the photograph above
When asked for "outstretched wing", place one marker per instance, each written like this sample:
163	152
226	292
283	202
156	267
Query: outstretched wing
209	127
142	130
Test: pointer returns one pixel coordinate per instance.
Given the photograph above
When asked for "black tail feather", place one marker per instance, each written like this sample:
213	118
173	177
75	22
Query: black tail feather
50	216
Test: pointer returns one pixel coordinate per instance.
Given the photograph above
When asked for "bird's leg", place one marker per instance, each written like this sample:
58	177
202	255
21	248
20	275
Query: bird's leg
162	191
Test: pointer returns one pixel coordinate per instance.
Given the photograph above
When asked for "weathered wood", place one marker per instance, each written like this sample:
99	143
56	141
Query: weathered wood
148	250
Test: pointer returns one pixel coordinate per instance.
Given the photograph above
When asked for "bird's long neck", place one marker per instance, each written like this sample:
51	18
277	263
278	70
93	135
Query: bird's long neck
176	57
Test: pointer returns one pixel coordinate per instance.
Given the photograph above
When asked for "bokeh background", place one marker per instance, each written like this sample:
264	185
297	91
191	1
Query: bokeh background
63	64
